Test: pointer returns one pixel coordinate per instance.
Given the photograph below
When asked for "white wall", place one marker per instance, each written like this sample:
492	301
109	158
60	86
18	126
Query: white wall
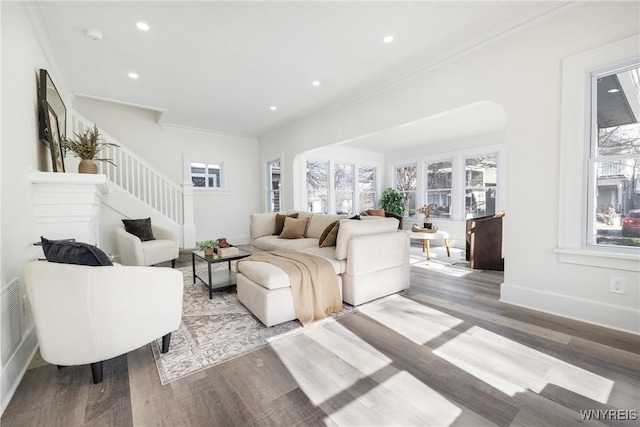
216	213
522	72
22	57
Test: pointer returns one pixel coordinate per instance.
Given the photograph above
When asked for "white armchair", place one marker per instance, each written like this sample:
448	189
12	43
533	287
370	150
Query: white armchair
133	251
85	315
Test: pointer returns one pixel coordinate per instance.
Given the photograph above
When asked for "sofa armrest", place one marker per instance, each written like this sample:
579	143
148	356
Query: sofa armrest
129	247
376	252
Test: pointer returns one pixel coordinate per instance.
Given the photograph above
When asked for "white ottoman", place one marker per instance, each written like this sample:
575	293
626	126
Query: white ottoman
266	291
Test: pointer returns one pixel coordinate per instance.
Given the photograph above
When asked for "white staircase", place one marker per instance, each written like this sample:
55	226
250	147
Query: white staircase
155	194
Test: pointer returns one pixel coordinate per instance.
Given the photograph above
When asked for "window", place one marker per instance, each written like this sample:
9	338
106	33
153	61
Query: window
317	185
273	186
481	182
406	181
614	159
206	175
367	188
343	188
439	183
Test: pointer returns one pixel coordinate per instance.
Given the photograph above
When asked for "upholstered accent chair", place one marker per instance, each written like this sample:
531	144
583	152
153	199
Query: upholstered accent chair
86	315
133	251
485	245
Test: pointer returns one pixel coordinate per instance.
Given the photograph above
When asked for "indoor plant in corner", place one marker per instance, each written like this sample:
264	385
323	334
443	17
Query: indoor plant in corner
86	147
391	201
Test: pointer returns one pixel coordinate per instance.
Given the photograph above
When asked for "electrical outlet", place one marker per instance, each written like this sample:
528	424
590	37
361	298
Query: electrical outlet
617	285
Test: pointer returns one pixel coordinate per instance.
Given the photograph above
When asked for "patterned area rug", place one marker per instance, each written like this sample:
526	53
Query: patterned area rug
214	331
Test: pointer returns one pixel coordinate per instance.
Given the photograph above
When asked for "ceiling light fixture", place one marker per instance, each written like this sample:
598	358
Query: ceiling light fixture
93	33
388	39
273	108
316	83
142	26
613	90
133	75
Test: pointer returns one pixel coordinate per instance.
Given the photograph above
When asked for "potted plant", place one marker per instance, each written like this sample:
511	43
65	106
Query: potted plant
86	147
427	210
208	246
391	201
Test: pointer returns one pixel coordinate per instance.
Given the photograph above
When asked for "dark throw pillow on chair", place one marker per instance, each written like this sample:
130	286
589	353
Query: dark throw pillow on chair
140	228
67	252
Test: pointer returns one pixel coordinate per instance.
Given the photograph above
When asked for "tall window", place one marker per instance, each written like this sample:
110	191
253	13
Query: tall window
206	175
614	162
481	182
367	187
343	185
273	186
439	182
406	181
317	185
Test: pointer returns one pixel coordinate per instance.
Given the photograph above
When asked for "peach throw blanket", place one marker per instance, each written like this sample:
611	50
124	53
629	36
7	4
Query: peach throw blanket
314	284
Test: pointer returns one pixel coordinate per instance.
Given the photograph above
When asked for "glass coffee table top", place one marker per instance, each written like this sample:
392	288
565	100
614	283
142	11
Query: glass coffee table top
219	278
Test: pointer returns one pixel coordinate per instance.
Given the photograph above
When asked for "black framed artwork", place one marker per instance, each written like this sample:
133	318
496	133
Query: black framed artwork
53	137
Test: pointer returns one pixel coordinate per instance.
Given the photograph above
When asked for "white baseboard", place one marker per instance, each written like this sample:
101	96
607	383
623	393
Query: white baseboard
596	313
16	367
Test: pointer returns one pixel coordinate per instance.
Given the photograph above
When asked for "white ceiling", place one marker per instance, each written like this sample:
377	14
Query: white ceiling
221	65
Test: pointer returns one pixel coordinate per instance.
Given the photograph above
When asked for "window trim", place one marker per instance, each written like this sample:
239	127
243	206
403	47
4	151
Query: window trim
577	71
269	187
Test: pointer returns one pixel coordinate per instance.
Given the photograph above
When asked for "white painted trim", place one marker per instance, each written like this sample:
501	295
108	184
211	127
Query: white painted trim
589	311
575	132
116	101
17	366
208	131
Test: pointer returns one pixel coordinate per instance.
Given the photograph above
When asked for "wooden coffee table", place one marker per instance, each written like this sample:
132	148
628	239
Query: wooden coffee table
220	278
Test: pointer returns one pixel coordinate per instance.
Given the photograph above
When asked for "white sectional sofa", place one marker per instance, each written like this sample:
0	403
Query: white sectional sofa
371	259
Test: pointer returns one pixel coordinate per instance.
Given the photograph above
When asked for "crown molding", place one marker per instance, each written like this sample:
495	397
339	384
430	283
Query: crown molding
209	131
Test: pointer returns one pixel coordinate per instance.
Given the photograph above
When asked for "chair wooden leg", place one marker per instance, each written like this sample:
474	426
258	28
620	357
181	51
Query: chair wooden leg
173	263
446	244
165	342
428	247
96	371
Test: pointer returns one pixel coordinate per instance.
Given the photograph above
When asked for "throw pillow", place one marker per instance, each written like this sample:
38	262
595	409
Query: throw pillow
66	252
329	235
293	228
376	212
140	228
280	221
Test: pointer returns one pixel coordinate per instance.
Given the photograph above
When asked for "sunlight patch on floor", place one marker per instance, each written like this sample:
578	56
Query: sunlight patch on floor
416	322
400	400
514	368
441	268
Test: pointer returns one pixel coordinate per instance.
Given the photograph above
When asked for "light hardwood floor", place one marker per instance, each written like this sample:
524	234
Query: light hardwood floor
445	353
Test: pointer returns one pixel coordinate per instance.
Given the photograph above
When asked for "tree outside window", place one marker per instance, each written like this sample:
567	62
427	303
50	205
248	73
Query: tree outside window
206	175
343	188
317	185
406	181
367	187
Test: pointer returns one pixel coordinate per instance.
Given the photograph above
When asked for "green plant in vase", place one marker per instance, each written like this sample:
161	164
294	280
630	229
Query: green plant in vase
392	201
86	147
208	246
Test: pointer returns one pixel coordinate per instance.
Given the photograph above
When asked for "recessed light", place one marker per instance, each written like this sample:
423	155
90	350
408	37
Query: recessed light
93	33
388	39
316	83
613	90
273	108
133	75
142	26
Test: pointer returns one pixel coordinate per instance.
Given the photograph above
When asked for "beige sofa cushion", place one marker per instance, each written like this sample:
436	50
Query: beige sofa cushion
350	228
262	224
264	274
319	222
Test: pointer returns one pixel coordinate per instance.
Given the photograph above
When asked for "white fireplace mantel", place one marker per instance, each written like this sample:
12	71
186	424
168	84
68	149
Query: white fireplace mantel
67	205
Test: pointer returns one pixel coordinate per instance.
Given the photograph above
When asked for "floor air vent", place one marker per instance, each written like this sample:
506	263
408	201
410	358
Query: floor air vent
11	329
